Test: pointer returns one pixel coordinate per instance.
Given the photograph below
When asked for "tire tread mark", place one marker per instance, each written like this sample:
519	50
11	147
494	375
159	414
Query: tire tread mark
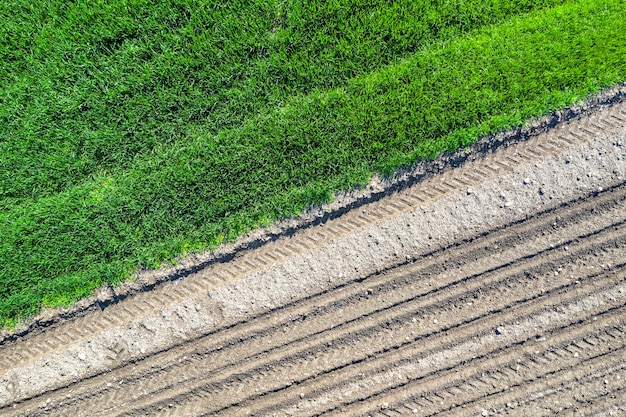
258	375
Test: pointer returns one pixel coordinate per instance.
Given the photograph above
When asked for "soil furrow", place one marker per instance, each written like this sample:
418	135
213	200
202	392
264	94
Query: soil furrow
610	405
575	394
445	350
368	337
502	377
568	391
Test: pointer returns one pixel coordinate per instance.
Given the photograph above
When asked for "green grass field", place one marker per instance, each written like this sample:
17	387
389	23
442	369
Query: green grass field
135	132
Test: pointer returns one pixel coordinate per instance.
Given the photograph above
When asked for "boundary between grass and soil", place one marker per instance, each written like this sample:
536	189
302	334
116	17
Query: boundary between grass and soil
582	160
377	189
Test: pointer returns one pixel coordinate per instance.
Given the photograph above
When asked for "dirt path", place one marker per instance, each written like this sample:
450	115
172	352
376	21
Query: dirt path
498	287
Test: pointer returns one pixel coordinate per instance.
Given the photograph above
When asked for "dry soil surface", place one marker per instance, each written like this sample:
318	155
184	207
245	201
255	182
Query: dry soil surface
498	287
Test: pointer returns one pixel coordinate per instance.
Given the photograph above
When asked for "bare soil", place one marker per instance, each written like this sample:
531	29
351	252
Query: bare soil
497	287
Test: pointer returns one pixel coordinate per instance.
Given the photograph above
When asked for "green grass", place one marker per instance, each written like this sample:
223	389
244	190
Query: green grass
131	134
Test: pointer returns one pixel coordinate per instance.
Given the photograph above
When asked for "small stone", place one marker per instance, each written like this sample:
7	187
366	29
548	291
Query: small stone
499	330
82	356
606	382
301	395
384	406
469	191
508	204
484	413
415	411
435	321
599	190
526	180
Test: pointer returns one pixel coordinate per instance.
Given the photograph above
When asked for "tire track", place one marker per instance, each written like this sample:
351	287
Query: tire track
611	404
181	399
510	379
577	389
582	392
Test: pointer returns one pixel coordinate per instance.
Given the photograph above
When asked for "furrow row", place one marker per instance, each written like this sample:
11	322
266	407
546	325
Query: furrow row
500	381
612	404
387	369
564	393
365	334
